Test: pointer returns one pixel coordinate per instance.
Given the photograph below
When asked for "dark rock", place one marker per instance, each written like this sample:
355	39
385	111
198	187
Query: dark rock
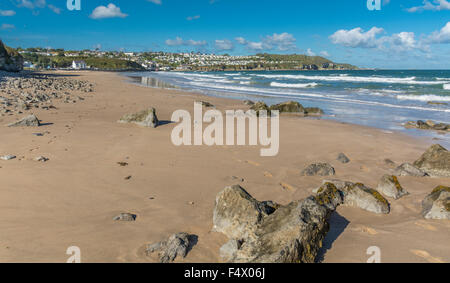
261	106
318	169
289	107
435	161
343	158
125	217
10	60
314	111
249	102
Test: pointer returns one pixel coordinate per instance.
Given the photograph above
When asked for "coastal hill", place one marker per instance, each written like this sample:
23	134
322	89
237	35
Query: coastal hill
10	59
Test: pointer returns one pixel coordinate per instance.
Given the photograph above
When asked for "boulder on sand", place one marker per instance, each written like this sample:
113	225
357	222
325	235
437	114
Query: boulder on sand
289	107
145	118
435	161
407	169
318	169
269	234
343	158
260	106
29	121
437	204
390	187
177	245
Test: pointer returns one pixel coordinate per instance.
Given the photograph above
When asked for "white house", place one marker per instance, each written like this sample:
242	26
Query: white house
27	64
78	65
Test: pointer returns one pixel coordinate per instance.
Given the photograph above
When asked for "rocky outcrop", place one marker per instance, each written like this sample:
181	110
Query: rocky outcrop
29	121
428	125
289	107
10	60
435	161
437	204
177	245
407	169
265	232
390	187
318	169
145	118
314	111
260	106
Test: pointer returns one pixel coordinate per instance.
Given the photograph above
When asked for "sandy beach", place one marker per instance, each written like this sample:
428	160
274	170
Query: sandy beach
71	199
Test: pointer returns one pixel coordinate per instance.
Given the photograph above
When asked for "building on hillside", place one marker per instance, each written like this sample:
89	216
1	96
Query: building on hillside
27	64
79	65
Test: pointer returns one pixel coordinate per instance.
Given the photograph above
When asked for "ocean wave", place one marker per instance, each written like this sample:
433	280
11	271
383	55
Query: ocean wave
408	80
447	86
275	84
427	97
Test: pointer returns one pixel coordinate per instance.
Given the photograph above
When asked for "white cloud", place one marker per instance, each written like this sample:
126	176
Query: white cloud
193	18
54	9
7	13
30	4
178	41
282	42
442	36
358	38
436	5
110	11
324	54
7	27
309	52
224	44
158	2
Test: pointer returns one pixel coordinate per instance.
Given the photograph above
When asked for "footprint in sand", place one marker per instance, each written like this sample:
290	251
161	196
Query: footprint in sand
425	226
425	255
249	162
268	174
287	187
367	230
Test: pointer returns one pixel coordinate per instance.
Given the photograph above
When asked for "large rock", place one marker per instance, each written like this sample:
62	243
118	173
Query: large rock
435	161
272	233
145	118
358	195
10	60
407	169
177	245
437	204
260	106
29	121
289	107
318	169
390	187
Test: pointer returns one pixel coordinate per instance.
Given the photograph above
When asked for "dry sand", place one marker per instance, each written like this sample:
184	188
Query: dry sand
71	199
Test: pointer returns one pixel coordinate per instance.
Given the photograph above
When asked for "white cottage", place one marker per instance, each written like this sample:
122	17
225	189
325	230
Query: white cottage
78	65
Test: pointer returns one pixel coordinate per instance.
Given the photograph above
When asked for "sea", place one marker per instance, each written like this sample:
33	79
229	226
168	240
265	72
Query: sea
384	99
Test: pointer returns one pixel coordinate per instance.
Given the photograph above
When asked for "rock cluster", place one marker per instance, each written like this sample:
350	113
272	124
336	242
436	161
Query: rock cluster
21	93
428	125
287	107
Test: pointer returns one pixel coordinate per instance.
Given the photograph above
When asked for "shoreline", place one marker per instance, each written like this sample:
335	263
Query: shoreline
73	198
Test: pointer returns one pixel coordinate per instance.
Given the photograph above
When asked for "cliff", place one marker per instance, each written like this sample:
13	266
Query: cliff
10	60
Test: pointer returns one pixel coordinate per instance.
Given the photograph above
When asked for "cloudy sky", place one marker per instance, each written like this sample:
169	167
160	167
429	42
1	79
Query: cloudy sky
403	34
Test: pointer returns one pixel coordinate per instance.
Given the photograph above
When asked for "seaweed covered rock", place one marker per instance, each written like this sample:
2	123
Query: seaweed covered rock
145	118
390	187
289	107
177	245
437	204
318	169
287	234
260	106
428	125
435	161
358	195
329	196
29	121
10	60
314	111
407	169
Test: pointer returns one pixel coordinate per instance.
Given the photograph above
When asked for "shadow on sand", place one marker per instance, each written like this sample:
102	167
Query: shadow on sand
337	226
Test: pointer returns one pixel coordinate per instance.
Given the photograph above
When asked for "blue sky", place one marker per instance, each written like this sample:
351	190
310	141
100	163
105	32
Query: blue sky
403	34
